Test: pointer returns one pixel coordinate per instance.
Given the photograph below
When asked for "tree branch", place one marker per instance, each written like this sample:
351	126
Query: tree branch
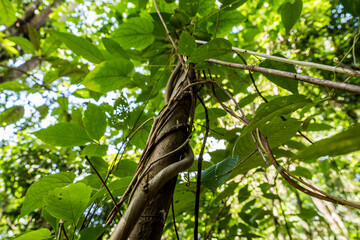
317	81
352	73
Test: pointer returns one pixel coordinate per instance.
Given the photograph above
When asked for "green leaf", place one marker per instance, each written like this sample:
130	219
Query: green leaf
39	234
11	115
114	48
80	46
13	86
35	193
274	108
64	135
7	15
290	14
109	75
135	33
189	6
92	233
216	175
95	121
68	203
338	144
231	4
34	36
125	168
95	150
187	44
25	44
212	49
302	172
50	44
283	82
117	188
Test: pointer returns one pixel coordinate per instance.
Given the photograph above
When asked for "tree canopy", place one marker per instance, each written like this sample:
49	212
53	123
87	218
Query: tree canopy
187	119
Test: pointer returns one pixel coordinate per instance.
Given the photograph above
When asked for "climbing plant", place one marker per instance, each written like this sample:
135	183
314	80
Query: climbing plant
227	119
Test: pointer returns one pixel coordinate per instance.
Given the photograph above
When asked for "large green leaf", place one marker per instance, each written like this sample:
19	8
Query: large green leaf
276	107
39	234
80	46
7	15
11	115
189	6
95	121
114	48
216	175
283	82
25	44
117	188
212	49
68	203
95	150
64	135
341	143
135	33
109	75
290	13
187	44
36	192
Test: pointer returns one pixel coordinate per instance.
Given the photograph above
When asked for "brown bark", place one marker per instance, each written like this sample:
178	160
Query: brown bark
23	69
147	217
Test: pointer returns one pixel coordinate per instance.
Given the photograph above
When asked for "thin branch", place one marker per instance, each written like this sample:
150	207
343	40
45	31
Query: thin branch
168	32
295	62
317	81
104	184
173	218
217	24
198	179
252	79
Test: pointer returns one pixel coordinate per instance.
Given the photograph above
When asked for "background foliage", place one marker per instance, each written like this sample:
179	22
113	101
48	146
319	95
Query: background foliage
82	80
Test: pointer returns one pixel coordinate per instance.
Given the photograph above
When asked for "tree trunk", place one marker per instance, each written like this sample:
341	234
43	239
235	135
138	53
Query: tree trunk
148	208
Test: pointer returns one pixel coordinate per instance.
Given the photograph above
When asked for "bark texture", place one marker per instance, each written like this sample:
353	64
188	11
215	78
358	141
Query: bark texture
149	209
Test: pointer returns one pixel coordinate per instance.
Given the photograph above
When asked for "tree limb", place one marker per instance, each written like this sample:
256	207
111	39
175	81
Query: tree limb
352	73
313	80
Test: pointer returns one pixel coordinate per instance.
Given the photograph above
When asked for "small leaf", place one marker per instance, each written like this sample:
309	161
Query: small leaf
39	234
114	48
212	49
283	82
25	44
135	33
187	44
302	172
11	115
80	46
189	6
95	121
276	107
109	75
216	175
64	135
338	144
34	36
231	4
290	13
37	190
7	15
95	150
68	203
